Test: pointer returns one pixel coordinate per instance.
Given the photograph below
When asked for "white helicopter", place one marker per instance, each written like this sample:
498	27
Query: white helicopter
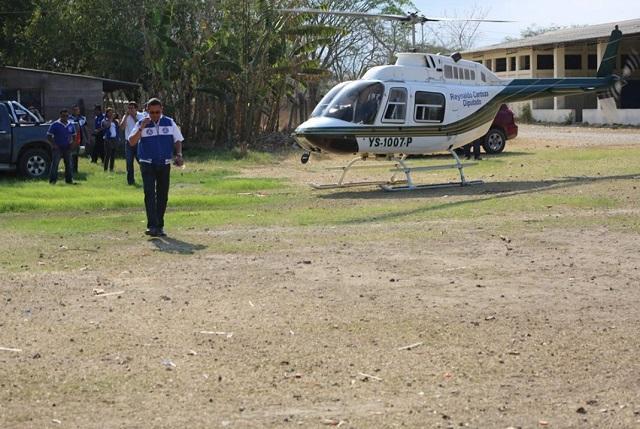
427	103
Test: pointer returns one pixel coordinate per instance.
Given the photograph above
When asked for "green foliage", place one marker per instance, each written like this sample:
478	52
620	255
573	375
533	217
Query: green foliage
224	68
526	115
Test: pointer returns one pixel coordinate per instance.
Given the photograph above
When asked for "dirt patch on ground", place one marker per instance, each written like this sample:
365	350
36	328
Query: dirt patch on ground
416	324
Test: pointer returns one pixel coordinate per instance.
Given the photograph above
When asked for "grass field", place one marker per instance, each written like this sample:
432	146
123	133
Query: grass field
219	190
522	293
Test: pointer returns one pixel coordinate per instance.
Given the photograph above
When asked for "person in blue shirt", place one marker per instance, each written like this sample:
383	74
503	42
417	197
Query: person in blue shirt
156	137
82	138
98	133
61	137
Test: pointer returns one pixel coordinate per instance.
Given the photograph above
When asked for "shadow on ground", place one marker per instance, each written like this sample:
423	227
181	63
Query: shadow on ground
483	192
177	247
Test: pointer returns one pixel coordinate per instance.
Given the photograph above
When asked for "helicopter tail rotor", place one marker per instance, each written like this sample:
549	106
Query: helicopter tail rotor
611	97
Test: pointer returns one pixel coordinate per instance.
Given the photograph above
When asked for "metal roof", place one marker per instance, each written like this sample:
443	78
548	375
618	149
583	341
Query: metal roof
108	85
574	34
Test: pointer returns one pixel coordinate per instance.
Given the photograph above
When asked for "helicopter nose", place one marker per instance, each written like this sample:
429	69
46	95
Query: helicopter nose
334	143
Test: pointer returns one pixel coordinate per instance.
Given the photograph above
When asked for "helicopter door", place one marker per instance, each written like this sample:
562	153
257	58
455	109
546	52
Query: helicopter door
396	110
429	107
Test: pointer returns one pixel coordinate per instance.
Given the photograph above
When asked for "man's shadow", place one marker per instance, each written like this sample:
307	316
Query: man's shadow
174	246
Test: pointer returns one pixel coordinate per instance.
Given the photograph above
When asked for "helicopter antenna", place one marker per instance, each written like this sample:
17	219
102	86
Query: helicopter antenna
412	18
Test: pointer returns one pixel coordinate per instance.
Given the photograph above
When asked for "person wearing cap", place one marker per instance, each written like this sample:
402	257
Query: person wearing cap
156	138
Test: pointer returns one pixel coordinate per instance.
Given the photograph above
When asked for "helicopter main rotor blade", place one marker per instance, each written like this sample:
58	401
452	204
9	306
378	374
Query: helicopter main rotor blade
351	14
425	19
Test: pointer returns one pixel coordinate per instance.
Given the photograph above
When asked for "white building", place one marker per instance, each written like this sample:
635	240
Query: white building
573	52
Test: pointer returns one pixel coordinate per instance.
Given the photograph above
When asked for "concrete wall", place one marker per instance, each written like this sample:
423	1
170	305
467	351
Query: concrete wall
617	116
58	91
560	116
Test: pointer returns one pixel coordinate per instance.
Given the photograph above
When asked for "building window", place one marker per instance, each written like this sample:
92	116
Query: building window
545	62
512	64
573	62
501	65
592	62
525	62
429	107
396	106
487	64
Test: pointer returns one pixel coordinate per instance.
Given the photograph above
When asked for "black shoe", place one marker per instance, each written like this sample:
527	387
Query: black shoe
52	182
161	232
477	158
151	232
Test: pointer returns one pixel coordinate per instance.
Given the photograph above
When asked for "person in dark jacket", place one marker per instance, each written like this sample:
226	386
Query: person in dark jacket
98	136
82	137
110	127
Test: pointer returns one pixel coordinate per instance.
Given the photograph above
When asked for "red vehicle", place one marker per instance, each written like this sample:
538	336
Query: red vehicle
503	128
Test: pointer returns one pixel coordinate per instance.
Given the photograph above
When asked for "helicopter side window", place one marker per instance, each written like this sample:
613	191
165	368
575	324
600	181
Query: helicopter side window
448	72
357	102
483	76
467	75
429	107
473	74
455	73
396	106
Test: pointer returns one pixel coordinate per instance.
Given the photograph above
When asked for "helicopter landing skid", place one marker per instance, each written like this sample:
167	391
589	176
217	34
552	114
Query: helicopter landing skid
351	166
401	166
411	186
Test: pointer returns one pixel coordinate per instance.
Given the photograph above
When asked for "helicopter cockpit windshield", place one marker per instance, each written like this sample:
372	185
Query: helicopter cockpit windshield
357	102
324	103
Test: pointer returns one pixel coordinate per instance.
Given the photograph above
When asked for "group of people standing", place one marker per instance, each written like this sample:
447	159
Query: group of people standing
150	138
107	127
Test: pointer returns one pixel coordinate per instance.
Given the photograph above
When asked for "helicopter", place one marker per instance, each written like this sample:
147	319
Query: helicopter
427	103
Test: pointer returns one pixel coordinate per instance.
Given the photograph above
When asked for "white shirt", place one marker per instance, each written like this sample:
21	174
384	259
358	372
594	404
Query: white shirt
131	123
174	130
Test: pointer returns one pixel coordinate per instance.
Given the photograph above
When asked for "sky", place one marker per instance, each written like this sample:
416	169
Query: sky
540	12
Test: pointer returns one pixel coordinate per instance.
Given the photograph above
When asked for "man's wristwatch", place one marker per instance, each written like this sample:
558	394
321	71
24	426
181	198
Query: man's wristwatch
179	154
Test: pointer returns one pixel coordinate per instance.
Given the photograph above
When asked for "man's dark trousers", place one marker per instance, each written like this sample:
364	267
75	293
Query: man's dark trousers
476	149
155	179
56	155
130	155
98	149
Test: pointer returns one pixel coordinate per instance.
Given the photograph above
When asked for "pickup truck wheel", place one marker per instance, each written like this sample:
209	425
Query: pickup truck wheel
494	141
35	163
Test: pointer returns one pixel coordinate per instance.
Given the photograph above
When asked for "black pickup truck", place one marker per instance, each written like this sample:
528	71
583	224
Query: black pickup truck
23	141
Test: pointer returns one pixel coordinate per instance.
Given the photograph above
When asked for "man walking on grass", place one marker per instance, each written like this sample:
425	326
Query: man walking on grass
156	137
61	137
